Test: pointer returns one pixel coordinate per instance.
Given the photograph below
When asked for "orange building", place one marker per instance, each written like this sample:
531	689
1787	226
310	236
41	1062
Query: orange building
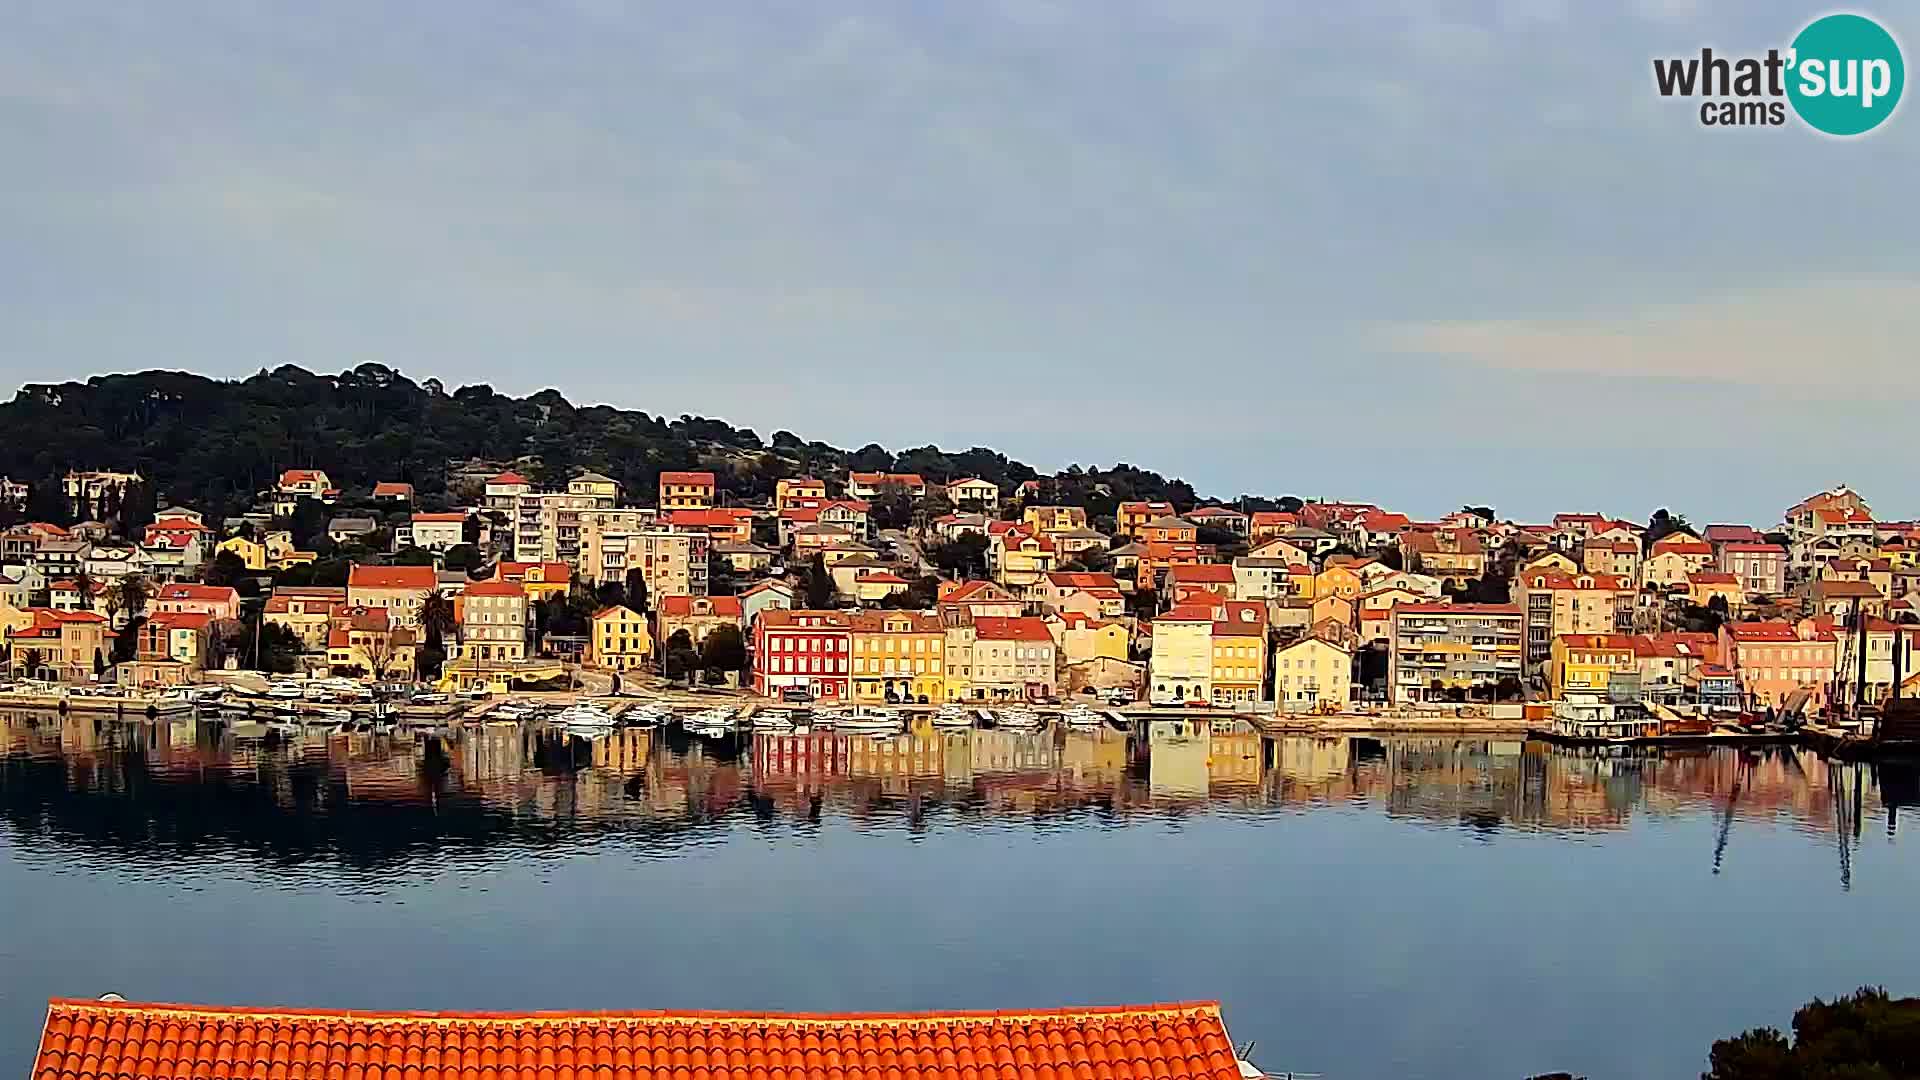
1772	662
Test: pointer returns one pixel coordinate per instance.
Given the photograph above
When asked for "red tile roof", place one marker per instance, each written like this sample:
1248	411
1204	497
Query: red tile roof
447	517
1015	628
1761	631
180	590
392	487
1456	609
1711	577
1762	547
680	607
299	476
1201	574
84	1040
1622	642
1683	544
507	478
703	479
550	572
495	588
422	578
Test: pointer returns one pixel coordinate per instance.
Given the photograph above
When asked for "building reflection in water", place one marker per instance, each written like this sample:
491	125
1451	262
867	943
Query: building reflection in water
160	788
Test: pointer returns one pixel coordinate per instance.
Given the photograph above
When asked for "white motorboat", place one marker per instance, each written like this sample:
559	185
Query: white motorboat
772	720
871	721
1079	716
584	716
952	716
1018	719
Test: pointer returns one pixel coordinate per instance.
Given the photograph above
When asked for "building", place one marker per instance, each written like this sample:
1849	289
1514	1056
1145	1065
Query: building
683	490
1239	653
547	525
502	492
1082	637
169	650
87	492
867	485
791	491
1775	666
349	528
1021	561
1760	567
494	621
1555	603
60	646
973	493
697	615
540	579
304	612
401	590
1181	666
1264	525
186	536
393	491
977	598
1217	578
898	656
1620	558
1054	519
1706	586
1435	650
802	655
364	642
1673	558
1312	674
619	640
602	489
1013	659
437	532
94	1040
1456	555
613	542
770	595
1131	517
1817	526
1838	598
724	525
1224	518
1589	663
213	601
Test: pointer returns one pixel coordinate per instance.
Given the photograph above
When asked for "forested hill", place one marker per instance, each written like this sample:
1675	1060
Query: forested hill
212	444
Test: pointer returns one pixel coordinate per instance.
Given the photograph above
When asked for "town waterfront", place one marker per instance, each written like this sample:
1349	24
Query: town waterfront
1442	906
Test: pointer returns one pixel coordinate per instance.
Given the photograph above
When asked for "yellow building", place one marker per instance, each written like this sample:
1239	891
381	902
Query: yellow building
898	656
251	553
792	490
1704	585
620	640
958	655
1239	653
1312	674
687	490
539	579
1082	638
1337	581
1051	519
1583	662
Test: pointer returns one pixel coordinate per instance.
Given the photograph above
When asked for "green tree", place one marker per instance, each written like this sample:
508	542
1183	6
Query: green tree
31	661
1663	524
461	557
84	584
680	655
637	590
819	583
279	650
47	501
126	644
965	557
1864	1036
412	556
723	651
226	568
131	593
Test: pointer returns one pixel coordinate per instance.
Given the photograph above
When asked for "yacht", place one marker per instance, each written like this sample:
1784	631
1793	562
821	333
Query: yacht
1079	716
1019	718
772	720
584	716
952	715
868	720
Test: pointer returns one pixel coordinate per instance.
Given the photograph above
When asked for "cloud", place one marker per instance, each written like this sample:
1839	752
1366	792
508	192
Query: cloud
1835	337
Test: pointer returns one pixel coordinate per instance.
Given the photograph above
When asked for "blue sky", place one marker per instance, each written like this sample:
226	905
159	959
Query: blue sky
1416	253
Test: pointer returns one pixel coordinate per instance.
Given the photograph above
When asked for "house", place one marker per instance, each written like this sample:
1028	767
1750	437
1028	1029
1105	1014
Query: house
598	489
1054	519
683	490
1224	518
169	650
1131	517
1719	535
393	491
1182	1042
1021	560
1279	547
1376	529
1312	674
1456	555
1875	572
60	646
868	485
1073	544
365	642
789	490
213	601
1775	666
539	579
297	484
950	527
898	656
1014	659
402	590
1436	650
1168	530
1257	578
1839	598
974	599
1554	602
1316	541
251	553
1620	558
185	536
1337	581
1264	525
873	586
1669	664
1704	586
698	616
1760	567
1822	522
803	655
1590	663
770	595
350	528
1082	637
1180	668
1239	654
807	539
502	492
744	560
1061	586
438	532
495	617
1674	557
69	594
973	493
619	640
304	611
1213	577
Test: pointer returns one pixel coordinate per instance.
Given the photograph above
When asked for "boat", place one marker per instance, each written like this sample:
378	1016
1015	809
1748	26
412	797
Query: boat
954	716
772	720
584	716
1019	719
1079	716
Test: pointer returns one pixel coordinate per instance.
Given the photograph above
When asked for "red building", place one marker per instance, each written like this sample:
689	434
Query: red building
802	652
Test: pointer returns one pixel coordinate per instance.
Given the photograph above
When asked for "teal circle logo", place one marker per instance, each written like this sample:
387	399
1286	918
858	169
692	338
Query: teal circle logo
1846	74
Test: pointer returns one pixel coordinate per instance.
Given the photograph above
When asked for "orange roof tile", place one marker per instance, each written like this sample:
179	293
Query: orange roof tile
507	478
495	588
422	578
1015	628
703	479
1201	574
87	1040
680	607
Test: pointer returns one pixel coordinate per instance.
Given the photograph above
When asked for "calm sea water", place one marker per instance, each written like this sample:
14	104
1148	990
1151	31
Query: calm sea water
1421	907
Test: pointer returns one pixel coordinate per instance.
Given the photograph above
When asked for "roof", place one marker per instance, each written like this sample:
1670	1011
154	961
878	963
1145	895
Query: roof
1011	628
300	476
602	478
450	517
1215	512
421	578
1201	574
392	487
802	619
495	588
1623	642
508	478
85	1040
684	477
875	622
770	583
884	577
1081	579
1711	577
1760	631
1456	609
682	606
176	524
181	590
181	620
1682	544
1845	588
1732	533
551	573
1556	579
1755	547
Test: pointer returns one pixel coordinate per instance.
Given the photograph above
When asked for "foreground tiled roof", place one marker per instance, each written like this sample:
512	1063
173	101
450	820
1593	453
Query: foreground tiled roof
87	1039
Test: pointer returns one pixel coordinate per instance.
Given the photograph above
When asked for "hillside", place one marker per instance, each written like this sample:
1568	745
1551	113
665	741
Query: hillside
212	443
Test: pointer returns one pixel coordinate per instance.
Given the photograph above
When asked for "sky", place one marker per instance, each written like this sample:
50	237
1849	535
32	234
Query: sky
1418	254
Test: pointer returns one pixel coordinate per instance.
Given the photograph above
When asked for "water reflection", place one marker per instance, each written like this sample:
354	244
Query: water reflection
165	789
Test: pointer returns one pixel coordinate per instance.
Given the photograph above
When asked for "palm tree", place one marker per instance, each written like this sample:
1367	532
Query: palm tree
436	617
132	593
84	583
30	661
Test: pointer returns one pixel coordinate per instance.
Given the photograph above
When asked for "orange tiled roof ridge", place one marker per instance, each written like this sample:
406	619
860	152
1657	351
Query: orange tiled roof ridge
1180	1041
